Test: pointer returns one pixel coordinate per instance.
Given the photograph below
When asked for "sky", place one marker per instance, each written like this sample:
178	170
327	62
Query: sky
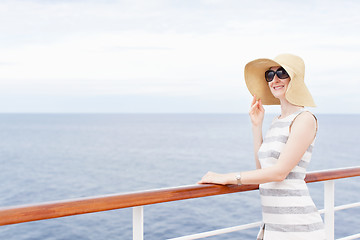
181	56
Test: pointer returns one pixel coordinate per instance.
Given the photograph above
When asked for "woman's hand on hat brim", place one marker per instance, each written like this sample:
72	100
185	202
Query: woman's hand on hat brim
256	112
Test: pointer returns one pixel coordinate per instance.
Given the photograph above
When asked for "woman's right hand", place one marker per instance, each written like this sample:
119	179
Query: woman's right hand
256	112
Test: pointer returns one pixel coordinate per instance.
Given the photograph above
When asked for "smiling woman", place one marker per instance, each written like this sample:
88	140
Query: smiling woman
283	155
292	67
281	82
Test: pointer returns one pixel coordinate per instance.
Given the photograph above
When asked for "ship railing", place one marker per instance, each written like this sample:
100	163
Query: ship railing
137	201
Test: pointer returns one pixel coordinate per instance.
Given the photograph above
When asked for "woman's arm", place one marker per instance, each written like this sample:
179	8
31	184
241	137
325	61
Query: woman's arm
256	114
301	136
257	141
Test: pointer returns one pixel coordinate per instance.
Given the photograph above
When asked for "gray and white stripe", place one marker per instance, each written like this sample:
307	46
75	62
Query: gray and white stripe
295	228
289	210
283	192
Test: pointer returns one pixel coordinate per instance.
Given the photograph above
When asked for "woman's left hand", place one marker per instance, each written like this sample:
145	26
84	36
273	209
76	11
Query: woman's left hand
215	178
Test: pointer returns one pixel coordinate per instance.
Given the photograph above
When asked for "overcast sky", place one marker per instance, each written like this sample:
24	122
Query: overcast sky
170	56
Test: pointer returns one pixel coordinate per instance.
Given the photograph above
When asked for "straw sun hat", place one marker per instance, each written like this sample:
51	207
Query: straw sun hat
296	93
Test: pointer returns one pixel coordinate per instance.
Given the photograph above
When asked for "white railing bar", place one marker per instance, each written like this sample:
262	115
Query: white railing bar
346	206
329	202
219	231
342	207
329	210
257	224
138	223
355	236
329	205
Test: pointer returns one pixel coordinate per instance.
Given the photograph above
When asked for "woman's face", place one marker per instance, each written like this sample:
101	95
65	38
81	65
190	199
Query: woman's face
278	86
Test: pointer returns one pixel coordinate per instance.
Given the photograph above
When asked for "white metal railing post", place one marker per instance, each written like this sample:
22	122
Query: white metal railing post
329	207
138	223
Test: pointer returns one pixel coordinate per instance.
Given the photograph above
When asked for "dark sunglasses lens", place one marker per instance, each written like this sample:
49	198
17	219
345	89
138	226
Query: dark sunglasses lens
269	75
281	73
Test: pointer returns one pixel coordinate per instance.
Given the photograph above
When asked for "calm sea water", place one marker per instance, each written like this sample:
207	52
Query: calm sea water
47	157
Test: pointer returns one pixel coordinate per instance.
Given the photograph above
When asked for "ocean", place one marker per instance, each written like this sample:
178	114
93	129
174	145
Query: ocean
49	157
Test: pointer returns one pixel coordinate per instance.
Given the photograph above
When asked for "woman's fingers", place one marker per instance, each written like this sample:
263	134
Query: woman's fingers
256	112
255	106
253	101
203	179
261	105
207	178
213	178
253	109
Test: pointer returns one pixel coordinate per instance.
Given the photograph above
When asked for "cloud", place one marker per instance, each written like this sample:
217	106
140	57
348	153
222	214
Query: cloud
171	48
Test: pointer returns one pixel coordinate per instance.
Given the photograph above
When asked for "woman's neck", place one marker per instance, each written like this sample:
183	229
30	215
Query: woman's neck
288	108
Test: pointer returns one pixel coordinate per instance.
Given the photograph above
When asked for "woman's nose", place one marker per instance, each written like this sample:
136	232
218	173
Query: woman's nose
276	79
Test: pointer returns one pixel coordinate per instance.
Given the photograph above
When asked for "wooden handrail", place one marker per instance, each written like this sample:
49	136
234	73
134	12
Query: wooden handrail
34	212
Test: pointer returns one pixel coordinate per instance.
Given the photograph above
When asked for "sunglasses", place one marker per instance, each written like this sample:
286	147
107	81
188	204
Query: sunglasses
280	72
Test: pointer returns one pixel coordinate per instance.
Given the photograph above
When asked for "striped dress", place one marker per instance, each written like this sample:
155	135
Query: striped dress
287	208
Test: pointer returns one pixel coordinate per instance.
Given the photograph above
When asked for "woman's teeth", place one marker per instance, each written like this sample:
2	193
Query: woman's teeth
278	87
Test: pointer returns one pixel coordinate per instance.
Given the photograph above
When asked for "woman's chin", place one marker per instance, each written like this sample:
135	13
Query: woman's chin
278	95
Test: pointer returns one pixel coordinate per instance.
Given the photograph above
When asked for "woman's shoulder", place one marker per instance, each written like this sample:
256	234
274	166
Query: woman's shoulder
305	121
306	116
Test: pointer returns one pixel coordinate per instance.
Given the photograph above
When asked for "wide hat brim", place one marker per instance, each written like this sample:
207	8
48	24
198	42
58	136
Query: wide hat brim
297	93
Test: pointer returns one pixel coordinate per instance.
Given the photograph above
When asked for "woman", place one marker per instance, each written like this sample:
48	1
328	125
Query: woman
285	152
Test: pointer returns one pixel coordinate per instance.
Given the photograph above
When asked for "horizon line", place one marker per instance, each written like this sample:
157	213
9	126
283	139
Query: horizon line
224	113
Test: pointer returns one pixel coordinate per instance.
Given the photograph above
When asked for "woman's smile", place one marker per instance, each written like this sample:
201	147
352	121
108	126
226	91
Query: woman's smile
278	87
